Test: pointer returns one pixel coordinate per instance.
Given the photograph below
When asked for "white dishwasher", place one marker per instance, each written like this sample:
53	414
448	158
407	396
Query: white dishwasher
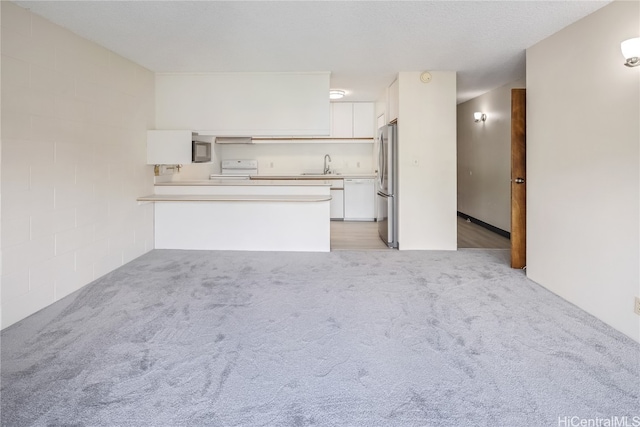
359	199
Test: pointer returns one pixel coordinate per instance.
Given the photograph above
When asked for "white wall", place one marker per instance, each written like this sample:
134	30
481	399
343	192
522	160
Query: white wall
427	161
74	121
192	172
484	157
290	158
583	166
0	174
309	157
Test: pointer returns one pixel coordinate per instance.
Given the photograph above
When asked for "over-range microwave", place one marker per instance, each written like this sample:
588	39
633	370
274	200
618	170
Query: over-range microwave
201	152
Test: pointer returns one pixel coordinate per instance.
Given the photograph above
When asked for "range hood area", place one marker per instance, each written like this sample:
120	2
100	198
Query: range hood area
211	138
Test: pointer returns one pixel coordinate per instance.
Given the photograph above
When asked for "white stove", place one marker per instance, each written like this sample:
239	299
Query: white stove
237	169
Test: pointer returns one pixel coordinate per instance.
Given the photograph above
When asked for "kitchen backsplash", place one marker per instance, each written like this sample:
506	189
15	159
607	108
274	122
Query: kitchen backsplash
289	158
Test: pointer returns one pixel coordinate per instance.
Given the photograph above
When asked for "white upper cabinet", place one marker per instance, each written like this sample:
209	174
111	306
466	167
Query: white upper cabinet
168	147
244	104
352	120
341	120
393	101
363	120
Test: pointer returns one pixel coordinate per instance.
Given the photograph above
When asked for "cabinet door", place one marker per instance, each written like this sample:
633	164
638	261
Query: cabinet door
337	204
244	104
341	120
168	147
363	120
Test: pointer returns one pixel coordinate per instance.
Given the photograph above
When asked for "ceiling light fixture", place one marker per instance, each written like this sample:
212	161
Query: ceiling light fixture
631	52
336	94
479	117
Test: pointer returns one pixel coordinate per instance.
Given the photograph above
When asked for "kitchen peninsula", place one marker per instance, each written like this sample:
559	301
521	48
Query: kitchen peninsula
265	215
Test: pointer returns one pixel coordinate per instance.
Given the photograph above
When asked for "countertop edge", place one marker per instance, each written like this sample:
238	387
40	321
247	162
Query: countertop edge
248	182
311	177
234	198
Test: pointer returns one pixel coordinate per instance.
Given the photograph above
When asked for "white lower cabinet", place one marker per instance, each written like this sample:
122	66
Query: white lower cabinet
337	204
359	200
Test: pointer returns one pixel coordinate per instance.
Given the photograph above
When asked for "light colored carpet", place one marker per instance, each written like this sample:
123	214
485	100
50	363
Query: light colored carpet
375	338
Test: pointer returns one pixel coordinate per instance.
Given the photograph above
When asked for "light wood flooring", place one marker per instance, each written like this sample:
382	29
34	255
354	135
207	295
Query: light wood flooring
472	235
363	235
355	235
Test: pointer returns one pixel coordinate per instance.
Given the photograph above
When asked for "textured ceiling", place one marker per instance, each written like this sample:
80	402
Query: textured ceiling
364	44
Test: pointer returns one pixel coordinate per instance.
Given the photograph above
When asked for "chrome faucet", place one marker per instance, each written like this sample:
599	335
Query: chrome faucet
327	168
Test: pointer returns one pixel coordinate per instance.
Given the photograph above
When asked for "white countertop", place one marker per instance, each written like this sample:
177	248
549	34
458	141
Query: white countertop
314	177
250	182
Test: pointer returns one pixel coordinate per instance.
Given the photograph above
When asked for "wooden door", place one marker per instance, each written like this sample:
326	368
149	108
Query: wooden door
518	179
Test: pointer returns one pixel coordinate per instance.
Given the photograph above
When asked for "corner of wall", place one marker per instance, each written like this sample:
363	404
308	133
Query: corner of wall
583	228
427	161
69	213
1	7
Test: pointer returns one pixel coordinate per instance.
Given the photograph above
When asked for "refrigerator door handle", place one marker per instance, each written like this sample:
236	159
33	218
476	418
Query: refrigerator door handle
381	161
386	196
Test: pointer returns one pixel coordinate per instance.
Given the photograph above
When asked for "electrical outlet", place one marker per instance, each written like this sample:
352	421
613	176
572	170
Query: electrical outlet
358	164
636	307
271	165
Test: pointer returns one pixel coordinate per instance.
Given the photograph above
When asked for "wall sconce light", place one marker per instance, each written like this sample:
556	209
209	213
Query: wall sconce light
479	117
631	52
336	94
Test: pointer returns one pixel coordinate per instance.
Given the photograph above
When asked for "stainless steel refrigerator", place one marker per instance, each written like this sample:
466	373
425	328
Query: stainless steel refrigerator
387	197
